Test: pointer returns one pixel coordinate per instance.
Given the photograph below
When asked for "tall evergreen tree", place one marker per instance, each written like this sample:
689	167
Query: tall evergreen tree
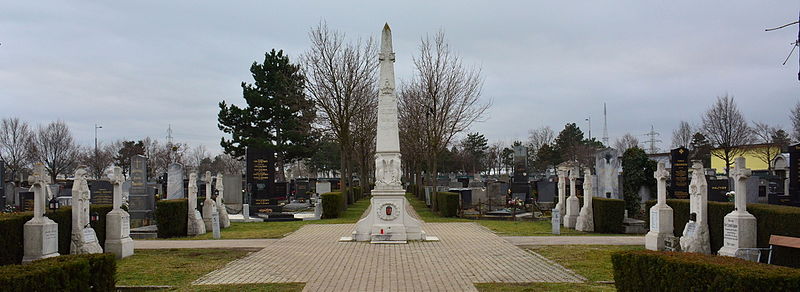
701	149
278	114
637	172
475	147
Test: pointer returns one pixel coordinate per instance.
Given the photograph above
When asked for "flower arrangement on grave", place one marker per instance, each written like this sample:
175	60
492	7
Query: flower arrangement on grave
730	195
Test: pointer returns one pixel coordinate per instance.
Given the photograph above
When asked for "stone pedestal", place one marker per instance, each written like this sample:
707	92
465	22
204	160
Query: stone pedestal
84	241
661	229
208	208
586	218
195	226
118	230
40	239
388	221
224	220
739	231
696	237
215	225
573	211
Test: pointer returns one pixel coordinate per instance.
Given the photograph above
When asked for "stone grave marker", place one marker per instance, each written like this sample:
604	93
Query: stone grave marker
573	204
175	181
102	192
209	207
260	177
696	236
562	189
323	187
739	225
555	221
195	225
140	202
40	233
233	194
661	228
84	239
679	173
224	220
586	218
607	165
118	222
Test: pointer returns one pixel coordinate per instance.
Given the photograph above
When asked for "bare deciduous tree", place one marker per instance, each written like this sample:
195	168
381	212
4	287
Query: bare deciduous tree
626	142
446	95
97	162
682	136
763	133
55	147
15	145
726	128
195	158
365	132
538	137
794	115
341	78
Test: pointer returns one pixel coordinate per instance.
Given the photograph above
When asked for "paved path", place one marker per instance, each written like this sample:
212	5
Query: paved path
576	240
214	243
466	254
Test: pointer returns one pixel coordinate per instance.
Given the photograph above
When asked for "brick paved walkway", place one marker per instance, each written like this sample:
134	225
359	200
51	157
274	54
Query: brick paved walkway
466	254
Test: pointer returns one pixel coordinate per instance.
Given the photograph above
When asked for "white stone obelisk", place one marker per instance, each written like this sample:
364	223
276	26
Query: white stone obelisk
195	225
696	236
83	239
40	233
562	190
573	204
661	229
739	228
586	217
224	220
209	207
388	220
118	222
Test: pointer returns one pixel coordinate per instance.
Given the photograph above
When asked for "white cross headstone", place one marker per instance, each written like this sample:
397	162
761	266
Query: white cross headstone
661	229
224	220
40	233
739	227
209	206
562	189
118	222
573	203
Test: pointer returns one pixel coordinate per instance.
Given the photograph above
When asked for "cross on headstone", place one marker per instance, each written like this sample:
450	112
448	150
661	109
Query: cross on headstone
39	181
117	179
661	175
740	175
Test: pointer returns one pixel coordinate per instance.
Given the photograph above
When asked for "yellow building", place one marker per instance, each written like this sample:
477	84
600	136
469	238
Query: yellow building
754	155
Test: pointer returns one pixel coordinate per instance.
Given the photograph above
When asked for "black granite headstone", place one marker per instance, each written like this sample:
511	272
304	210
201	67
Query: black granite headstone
26	201
717	189
260	178
794	173
679	173
102	192
140	201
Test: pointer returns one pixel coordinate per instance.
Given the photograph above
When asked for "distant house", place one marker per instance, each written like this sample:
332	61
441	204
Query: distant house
752	153
661	157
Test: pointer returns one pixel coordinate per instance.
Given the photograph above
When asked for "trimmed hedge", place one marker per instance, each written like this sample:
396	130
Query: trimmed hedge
771	220
11	241
332	204
12	230
87	272
448	203
675	271
172	217
608	215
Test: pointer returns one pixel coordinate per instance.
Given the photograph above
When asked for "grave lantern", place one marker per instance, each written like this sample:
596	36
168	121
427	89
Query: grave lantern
53	204
95	217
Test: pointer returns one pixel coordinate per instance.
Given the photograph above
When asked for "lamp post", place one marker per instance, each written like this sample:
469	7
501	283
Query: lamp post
589	119
96	162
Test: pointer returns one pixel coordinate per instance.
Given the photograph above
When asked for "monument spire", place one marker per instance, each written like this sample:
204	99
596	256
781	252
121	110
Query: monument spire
388	138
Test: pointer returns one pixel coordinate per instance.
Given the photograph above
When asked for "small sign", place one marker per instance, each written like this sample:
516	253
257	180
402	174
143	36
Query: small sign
556	221
125	221
731	232
654	220
691	227
215	225
89	236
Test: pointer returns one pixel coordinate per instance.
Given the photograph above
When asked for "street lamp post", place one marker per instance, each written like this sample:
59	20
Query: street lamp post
589	119
96	162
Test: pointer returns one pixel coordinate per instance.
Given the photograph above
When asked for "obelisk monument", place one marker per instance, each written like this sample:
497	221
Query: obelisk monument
388	220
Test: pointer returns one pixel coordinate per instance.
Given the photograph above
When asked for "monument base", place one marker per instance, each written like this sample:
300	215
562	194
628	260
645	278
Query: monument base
224	220
696	238
118	230
41	240
573	208
84	241
388	220
661	229
739	232
585	220
208	208
195	226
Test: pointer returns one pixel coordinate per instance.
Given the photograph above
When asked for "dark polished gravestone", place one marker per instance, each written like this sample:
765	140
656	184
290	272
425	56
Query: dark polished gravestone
102	192
140	199
26	201
794	177
717	189
679	173
260	179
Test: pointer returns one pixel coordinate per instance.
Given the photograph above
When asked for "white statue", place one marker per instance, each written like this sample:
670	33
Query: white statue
195	225
83	238
586	219
224	220
695	234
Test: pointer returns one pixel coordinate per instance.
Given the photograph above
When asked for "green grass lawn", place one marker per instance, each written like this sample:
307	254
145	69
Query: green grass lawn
179	267
590	261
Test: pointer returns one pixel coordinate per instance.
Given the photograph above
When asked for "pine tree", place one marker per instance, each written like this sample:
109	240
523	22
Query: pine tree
278	114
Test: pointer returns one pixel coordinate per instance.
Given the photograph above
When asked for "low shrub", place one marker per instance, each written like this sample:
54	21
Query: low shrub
63	216
448	203
332	204
172	217
771	220
88	272
11	228
608	215
645	270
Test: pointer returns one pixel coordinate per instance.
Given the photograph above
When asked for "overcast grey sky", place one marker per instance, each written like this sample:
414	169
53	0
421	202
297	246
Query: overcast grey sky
136	66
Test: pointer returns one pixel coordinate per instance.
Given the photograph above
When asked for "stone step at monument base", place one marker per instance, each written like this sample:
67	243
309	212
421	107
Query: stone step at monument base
280	217
634	226
144	232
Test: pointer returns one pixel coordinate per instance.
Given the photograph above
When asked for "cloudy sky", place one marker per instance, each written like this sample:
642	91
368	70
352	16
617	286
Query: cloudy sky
136	67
